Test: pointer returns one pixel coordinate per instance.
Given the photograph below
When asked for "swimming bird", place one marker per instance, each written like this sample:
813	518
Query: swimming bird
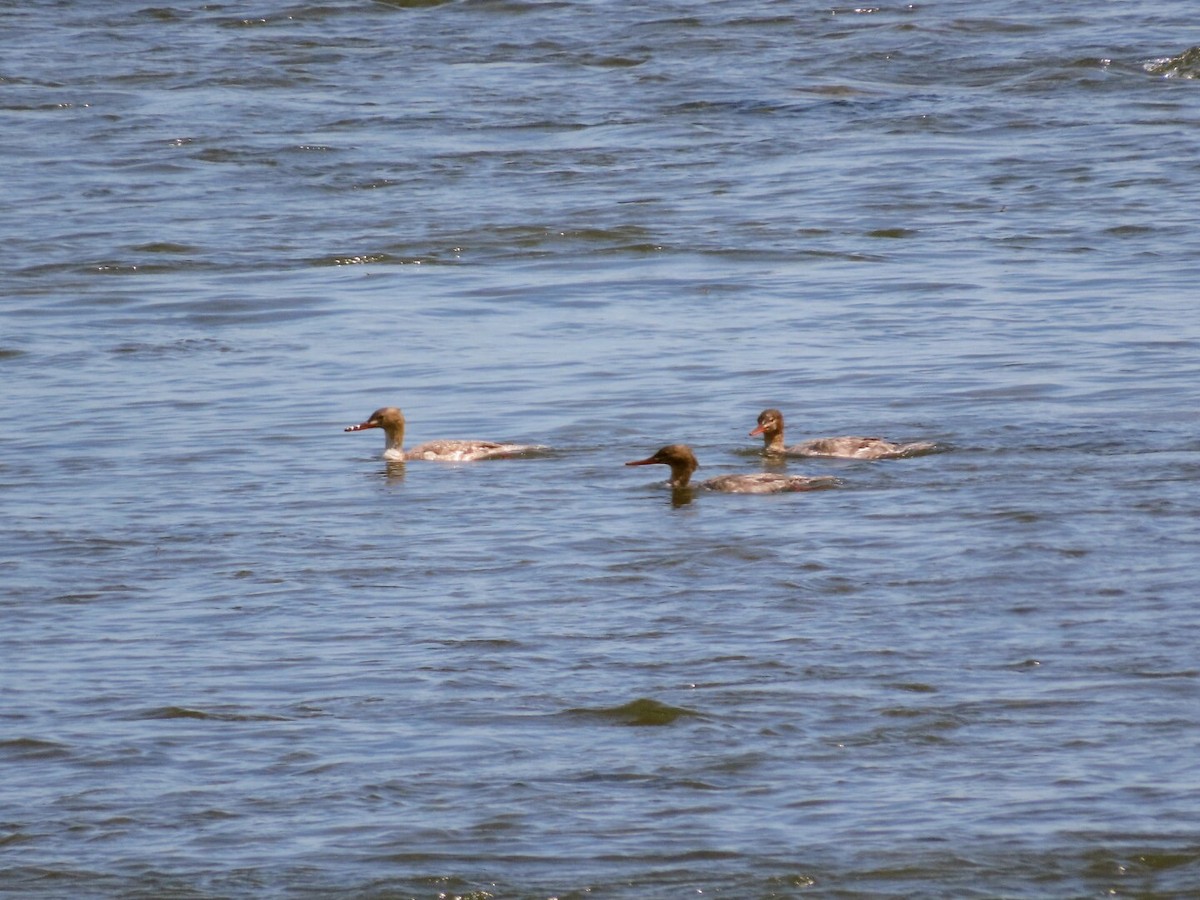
391	420
683	463
770	426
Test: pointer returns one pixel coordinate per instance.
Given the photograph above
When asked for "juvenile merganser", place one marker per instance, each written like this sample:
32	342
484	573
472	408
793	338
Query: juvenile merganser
770	426
391	420
683	463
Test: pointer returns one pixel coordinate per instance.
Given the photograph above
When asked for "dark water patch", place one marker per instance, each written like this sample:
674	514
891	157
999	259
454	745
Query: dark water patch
374	184
1153	674
161	14
929	729
1136	230
184	712
183	266
25	749
641	712
1160	860
166	247
484	643
223	155
14	836
183	347
770	255
892	233
543	126
416	4
231	311
92	542
632	250
915	687
418	257
102	592
507	242
1183	65
1025	665
613	62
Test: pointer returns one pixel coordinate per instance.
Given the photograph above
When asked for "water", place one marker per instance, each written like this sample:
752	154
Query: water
245	657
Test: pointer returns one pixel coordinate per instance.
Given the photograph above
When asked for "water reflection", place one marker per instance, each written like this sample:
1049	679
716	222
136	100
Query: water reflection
682	496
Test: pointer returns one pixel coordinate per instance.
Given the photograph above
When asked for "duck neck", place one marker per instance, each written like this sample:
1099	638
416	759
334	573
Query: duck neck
394	440
681	474
773	441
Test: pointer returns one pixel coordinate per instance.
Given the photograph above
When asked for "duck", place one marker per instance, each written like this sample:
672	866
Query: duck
770	426
391	420
683	463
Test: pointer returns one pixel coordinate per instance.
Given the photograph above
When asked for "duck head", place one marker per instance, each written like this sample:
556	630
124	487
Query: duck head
770	426
391	420
679	457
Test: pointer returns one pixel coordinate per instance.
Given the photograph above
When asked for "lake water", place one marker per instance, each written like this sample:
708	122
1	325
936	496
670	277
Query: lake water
245	657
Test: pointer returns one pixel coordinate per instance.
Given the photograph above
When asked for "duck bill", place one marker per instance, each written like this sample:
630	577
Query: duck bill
642	462
362	426
757	431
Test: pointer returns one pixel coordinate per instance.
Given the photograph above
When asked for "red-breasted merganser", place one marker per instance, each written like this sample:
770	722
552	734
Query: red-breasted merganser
683	463
391	420
770	426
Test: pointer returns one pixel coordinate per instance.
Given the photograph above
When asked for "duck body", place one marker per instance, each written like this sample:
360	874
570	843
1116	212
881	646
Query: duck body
391	420
770	426
767	483
463	451
682	462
